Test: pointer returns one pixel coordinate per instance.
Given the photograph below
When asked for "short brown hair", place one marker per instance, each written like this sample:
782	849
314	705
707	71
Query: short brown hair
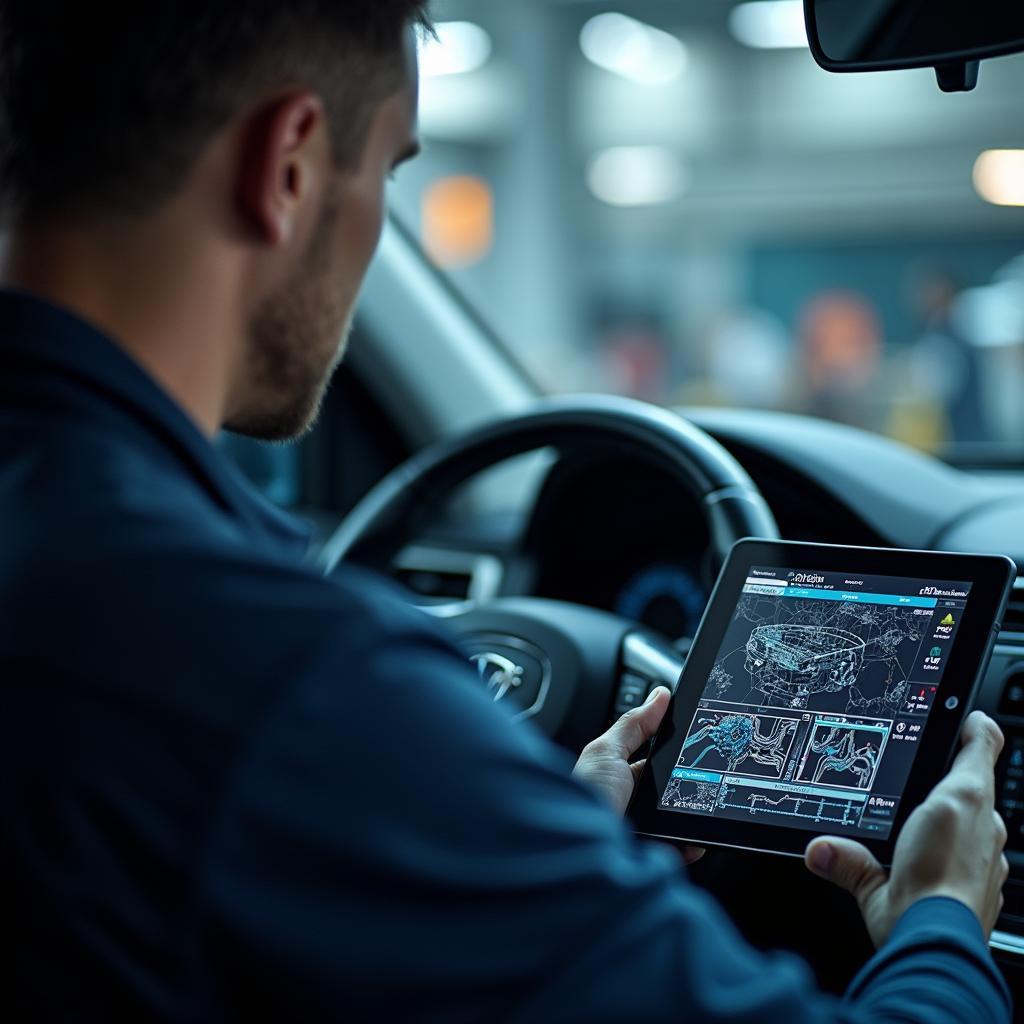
104	106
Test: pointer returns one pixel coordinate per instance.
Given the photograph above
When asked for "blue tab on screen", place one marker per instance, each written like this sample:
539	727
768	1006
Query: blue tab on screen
799	789
695	775
855	595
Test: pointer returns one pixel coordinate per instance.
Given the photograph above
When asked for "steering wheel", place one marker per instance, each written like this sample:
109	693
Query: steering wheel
566	666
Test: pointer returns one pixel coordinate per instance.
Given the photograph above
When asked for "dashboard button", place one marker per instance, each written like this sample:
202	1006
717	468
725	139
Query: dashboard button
632	692
631	682
1013	894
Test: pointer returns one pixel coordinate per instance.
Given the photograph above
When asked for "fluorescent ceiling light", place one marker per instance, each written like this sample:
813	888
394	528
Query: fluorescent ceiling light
770	24
460	47
490	111
999	176
632	49
636	176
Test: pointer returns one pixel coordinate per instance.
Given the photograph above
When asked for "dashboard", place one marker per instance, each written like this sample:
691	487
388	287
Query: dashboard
621	535
624	536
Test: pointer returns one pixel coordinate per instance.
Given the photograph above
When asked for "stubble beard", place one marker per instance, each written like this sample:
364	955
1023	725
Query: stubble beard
296	340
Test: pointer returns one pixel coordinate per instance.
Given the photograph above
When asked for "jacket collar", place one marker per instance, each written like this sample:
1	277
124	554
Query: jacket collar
37	335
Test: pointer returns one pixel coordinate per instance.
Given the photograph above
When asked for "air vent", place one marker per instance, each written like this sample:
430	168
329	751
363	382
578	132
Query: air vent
1012	702
436	585
444	574
1013	620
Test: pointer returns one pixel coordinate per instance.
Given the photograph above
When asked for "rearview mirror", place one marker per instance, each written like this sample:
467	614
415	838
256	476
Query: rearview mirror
951	36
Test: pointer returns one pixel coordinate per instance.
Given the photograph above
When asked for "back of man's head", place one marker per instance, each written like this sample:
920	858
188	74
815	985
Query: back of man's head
105	106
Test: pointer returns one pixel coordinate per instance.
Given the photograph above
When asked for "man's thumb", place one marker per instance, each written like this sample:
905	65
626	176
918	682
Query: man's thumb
636	727
845	863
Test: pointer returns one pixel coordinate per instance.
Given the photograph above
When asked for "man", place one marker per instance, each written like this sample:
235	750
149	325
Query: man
233	789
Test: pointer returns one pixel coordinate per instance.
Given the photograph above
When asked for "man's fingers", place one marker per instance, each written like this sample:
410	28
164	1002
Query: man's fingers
982	738
636	727
847	864
982	741
688	854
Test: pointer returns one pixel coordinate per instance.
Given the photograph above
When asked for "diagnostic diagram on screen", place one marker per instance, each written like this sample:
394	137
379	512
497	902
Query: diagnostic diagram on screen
811	653
796	806
753	744
839	754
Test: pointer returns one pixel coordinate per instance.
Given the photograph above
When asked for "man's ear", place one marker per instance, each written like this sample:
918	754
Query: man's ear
284	157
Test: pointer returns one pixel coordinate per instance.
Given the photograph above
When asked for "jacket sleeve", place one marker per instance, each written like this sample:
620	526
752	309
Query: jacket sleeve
390	843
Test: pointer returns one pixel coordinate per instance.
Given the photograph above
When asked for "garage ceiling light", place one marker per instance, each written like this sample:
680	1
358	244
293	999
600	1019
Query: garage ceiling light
630	48
770	24
460	47
999	176
636	176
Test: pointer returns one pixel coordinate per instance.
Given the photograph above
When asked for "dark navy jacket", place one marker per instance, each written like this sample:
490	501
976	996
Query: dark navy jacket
232	789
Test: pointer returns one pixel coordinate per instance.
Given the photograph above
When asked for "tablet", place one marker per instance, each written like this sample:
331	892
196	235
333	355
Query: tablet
823	694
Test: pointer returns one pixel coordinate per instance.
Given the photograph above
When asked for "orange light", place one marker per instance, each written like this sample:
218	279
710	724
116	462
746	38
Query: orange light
458	221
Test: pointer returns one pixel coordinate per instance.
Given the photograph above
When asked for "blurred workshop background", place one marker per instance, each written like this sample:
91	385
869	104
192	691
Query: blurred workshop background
670	200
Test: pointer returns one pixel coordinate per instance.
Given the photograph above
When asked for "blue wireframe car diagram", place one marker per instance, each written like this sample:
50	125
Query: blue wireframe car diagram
793	661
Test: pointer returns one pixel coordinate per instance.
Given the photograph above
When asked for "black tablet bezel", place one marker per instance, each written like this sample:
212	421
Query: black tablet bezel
991	578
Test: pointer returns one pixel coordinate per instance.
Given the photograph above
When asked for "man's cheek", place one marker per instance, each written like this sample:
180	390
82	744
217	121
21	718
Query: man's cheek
373	226
370	214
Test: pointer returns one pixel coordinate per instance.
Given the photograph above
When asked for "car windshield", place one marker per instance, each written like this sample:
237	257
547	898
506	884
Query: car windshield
670	200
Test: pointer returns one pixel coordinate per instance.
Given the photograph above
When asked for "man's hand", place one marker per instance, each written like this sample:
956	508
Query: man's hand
952	845
604	762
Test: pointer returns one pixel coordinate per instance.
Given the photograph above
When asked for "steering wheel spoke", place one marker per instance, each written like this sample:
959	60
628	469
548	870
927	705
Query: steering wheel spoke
647	662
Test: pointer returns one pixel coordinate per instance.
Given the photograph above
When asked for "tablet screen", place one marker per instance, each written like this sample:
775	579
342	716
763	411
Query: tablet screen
820	692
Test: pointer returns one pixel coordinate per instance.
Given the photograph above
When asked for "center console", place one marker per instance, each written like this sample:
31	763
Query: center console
1002	696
